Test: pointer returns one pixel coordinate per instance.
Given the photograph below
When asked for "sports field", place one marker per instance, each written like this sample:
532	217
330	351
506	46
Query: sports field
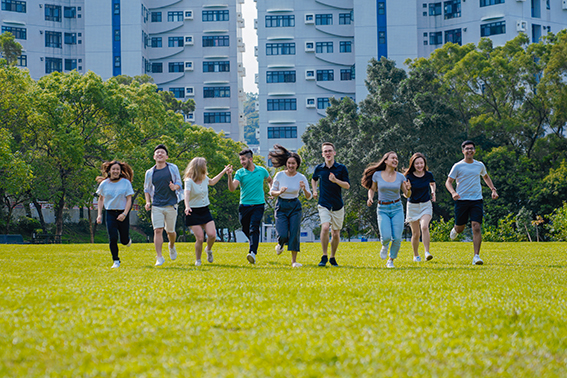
64	312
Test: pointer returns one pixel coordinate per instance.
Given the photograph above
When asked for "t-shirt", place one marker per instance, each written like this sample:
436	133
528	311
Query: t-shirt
330	194
388	191
420	188
291	183
252	185
199	196
163	195
468	176
115	193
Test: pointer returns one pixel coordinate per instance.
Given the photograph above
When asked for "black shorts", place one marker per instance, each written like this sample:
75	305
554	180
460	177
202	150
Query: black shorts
465	210
198	216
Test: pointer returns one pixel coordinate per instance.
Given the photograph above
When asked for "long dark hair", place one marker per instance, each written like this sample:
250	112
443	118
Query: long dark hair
280	155
372	168
412	160
125	170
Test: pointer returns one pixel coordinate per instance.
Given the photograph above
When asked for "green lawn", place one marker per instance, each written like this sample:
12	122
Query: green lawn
64	312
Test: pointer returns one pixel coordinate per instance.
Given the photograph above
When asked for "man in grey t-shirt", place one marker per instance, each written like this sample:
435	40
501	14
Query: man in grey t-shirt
468	196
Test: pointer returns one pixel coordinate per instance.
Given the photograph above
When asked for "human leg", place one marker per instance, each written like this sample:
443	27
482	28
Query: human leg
124	230
112	229
477	237
325	228
335	240
397	222
282	214
255	222
199	239
337	219
415	233
294	227
384	226
211	232
424	226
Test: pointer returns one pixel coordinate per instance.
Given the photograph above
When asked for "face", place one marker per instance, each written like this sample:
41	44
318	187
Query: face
469	151
291	164
328	153
160	155
115	172
419	164
245	161
392	161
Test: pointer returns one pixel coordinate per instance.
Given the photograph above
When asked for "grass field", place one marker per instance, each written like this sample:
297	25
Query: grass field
64	312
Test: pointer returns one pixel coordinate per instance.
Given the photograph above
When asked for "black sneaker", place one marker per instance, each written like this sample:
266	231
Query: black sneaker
333	262
324	260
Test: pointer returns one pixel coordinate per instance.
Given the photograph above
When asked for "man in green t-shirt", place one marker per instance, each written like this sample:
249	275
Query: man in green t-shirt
251	210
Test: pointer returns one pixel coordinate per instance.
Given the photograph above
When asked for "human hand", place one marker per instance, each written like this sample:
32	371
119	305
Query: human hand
148	206
172	186
456	196
121	217
433	197
369	202
494	194
99	219
332	177
315	194
283	189
188	210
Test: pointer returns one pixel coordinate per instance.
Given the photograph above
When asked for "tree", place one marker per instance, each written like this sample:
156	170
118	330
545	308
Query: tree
10	48
252	118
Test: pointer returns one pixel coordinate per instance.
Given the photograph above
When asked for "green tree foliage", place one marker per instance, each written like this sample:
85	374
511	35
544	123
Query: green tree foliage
10	49
252	118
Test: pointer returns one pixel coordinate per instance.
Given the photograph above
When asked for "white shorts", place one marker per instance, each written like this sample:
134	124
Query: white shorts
414	211
164	217
335	218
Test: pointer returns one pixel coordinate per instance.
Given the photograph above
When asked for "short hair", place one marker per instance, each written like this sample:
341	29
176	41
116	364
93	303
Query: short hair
246	152
161	147
467	142
328	144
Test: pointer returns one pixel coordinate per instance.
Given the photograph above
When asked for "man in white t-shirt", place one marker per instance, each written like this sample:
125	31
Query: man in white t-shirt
468	196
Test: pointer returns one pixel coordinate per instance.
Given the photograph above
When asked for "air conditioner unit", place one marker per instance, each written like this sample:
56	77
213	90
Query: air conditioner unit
257	105
255	23
564	4
190	91
188	14
310	75
255	50
309	46
240	23
310	103
256	78
521	26
310	18
190	116
189	65
189	40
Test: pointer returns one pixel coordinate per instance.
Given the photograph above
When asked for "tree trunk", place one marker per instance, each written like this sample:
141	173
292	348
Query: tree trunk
92	228
59	215
40	215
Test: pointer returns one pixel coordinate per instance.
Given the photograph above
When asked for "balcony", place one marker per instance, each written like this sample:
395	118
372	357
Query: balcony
345	31
339	4
163	27
338	86
166	77
155	4
343	59
163	52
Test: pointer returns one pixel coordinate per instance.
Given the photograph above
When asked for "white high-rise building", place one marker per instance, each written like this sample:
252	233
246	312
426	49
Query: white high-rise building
191	48
331	36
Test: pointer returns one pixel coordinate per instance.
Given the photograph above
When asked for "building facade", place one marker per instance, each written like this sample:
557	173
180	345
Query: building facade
191	48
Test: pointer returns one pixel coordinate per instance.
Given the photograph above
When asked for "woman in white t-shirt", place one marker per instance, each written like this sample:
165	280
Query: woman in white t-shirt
197	214
115	195
287	186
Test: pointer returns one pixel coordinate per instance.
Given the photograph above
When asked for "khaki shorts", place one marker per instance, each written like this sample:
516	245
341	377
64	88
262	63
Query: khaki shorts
164	217
335	218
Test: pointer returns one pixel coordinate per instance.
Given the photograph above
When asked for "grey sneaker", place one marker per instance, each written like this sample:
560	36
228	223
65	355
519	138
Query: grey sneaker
417	258
279	249
160	261
172	252
251	258
116	264
209	255
453	235
384	253
390	264
477	260
129	243
428	256
197	262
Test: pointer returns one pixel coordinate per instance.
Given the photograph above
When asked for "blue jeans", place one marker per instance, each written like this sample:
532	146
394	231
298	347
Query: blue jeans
391	225
288	223
250	217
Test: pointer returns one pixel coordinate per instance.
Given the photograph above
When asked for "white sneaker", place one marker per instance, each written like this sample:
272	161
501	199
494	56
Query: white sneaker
390	264
129	243
172	252
197	262
417	258
453	235
251	258
209	255
296	265
477	260
428	256
116	264
279	249
160	261
384	253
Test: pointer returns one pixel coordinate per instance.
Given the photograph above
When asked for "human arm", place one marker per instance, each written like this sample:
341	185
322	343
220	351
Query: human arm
188	209
269	180
216	179
406	188
449	186
124	214
314	188
342	184
433	187
100	206
304	186
371	192
232	184
488	182
148	201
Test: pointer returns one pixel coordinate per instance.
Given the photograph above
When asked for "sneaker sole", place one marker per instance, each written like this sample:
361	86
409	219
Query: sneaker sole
429	258
478	263
251	259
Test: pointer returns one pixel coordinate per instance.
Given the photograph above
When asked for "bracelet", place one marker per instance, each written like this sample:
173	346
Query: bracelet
493	189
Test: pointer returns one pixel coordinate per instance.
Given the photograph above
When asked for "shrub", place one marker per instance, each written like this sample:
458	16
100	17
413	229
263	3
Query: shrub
440	230
557	226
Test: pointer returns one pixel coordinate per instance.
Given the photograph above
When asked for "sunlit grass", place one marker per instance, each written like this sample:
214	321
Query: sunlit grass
64	312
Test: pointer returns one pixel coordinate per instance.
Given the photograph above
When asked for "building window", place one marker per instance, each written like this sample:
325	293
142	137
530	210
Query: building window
117	36
282	104
157	67
19	33
382	8
52	12
212	92
216	40
436	38
324	19
345	18
345	46
156	42
435	9
53	64
323	103
286	132
156	16
70	12
116	8
175	42
493	28
53	39
176	67
218	66
217	15
324	47
280	77
346	74
70	38
117	62
280	21
216	117
325	75
70	64
178	92
22	61
453	36
14	6
382	38
485	3
280	48
452	9
547	4
175	16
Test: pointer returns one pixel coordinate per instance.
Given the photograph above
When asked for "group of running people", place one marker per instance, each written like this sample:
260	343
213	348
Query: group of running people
163	190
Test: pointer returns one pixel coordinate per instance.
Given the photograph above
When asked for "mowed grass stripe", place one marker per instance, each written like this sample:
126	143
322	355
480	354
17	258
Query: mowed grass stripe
64	312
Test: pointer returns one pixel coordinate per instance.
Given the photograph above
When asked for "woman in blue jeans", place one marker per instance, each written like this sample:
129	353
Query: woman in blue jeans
383	178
